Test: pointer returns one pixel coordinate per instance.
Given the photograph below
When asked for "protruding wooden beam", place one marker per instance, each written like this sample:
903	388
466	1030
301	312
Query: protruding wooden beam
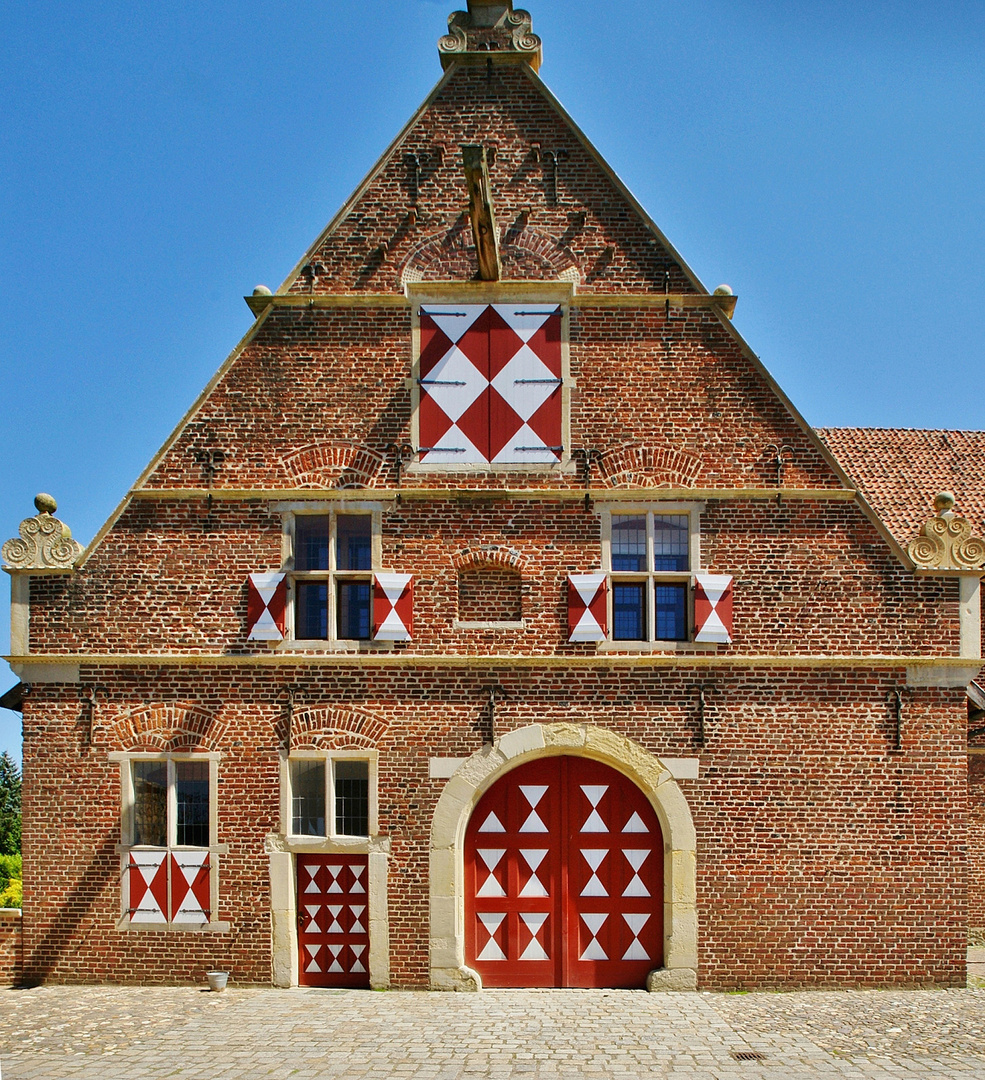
481	212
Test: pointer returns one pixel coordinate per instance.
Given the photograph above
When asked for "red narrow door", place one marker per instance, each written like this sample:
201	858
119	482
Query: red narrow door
333	920
564	878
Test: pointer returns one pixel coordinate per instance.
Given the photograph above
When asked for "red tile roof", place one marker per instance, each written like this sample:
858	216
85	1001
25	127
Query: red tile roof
900	470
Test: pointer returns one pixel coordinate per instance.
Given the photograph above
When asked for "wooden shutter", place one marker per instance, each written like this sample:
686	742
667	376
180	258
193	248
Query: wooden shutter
490	384
713	608
266	607
393	607
587	607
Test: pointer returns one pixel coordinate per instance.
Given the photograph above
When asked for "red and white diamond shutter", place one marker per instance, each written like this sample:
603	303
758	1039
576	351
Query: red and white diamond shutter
266	607
564	878
490	384
393	607
587	607
713	608
169	887
333	920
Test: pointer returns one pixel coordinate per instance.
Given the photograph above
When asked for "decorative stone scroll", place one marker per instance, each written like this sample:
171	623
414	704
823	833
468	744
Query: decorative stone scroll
946	542
490	27
44	544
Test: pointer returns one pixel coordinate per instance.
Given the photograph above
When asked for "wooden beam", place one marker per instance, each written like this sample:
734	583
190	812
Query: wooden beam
481	212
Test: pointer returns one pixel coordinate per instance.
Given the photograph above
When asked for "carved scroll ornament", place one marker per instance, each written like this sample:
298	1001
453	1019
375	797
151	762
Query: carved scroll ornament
490	26
945	542
45	543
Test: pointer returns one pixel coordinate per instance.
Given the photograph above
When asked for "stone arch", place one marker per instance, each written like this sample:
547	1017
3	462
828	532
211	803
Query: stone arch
475	776
169	728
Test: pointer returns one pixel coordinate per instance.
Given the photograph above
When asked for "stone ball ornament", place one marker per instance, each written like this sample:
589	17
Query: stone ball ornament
45	544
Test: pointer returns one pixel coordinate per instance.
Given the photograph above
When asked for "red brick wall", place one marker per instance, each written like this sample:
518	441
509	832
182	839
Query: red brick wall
824	857
976	841
10	948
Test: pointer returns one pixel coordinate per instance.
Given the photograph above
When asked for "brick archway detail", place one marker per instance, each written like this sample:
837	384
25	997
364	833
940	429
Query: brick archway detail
490	555
333	465
166	728
636	465
476	775
331	728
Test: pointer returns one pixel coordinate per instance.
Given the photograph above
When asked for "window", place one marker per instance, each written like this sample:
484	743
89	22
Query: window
334	555
489	383
169	844
332	795
650	557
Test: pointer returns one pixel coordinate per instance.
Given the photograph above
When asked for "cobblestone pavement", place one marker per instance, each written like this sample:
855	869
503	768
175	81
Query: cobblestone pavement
106	1033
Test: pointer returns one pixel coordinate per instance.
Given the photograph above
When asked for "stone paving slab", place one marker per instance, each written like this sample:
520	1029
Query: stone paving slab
112	1033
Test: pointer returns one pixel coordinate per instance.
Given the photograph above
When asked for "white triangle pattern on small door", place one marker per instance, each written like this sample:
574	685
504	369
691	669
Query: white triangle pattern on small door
357	951
357	885
312	951
335	964
357	927
336	927
314	910
333	872
312	885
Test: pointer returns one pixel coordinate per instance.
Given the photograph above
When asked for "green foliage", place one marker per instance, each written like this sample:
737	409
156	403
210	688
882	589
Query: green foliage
13	895
10	870
10	806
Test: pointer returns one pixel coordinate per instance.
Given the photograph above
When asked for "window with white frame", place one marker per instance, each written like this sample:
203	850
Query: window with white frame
333	556
332	795
169	838
650	556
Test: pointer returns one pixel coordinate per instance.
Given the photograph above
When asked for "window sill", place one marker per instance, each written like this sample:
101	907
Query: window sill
332	845
124	925
657	646
317	645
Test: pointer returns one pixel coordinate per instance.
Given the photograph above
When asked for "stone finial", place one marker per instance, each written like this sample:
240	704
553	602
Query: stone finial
945	542
494	29
44	544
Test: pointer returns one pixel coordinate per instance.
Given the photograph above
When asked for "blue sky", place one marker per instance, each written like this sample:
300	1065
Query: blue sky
826	159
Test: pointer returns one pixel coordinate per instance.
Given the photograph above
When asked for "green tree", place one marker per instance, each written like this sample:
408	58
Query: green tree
10	806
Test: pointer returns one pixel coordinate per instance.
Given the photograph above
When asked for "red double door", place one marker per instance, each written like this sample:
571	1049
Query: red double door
564	878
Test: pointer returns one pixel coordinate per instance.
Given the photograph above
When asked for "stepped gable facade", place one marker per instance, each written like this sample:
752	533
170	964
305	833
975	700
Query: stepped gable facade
493	619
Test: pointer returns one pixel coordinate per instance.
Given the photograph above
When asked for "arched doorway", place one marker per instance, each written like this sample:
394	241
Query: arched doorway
564	878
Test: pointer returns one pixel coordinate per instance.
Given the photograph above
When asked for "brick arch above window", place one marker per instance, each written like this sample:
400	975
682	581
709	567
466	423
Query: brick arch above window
640	465
332	728
333	465
490	555
168	728
525	255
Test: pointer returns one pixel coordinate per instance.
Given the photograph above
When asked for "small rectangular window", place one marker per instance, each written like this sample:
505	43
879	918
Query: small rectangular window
351	797
670	609
150	803
330	795
629	543
308	797
629	612
670	542
192	803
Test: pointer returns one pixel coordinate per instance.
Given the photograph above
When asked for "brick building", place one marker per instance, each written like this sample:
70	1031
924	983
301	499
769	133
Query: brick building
493	618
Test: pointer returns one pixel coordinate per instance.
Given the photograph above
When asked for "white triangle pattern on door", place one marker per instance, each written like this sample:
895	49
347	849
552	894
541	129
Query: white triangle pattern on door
594	793
492	824
594	857
357	951
333	872
491	922
594	920
533	793
491	886
336	926
357	885
533	858
534	922
312	885
314	910
357	927
312	951
635	824
636	858
636	921
335	965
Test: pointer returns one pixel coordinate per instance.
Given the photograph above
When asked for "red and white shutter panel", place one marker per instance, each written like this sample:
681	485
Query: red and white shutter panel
266	607
190	887
393	607
490	384
587	607
713	608
147	881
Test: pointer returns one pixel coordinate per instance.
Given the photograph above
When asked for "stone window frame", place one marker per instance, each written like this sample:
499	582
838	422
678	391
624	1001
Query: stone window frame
485	292
125	759
331	841
651	509
290	512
